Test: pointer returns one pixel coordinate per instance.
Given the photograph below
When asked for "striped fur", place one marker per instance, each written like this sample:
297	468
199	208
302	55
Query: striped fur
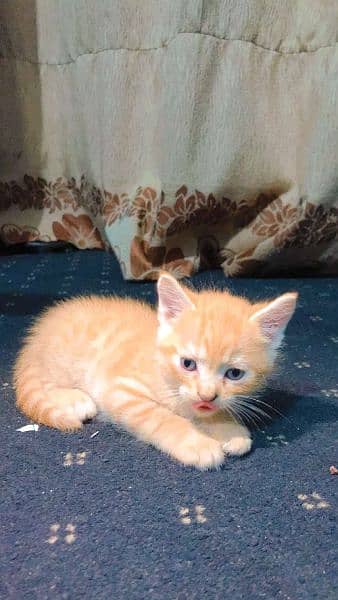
121	358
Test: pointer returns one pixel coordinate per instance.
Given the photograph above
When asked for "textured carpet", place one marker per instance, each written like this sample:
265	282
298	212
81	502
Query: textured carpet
106	517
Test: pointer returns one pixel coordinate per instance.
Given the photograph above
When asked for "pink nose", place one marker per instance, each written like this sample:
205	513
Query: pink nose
207	398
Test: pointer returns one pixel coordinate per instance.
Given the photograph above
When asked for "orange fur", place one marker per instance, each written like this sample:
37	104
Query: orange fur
118	357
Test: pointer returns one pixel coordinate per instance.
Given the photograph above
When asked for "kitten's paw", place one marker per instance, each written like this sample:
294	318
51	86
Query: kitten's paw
67	408
238	446
200	451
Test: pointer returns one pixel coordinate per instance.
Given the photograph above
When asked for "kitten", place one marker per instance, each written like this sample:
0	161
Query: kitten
175	378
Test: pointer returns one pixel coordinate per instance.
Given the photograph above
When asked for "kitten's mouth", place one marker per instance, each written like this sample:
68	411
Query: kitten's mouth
205	406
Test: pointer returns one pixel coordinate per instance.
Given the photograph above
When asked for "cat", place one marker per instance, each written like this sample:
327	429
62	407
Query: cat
178	378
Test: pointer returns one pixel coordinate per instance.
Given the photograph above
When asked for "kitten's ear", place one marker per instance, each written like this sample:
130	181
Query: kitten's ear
274	317
172	299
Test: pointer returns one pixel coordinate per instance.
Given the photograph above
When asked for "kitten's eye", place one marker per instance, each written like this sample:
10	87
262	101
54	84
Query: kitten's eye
188	364
234	374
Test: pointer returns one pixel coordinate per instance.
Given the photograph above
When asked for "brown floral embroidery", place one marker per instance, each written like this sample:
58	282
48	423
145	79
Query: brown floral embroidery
198	209
79	230
38	194
13	234
91	196
300	226
9	192
115	206
191	230
240	263
61	194
277	220
192	209
143	259
318	225
146	208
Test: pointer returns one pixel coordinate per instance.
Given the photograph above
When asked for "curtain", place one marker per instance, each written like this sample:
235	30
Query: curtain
180	134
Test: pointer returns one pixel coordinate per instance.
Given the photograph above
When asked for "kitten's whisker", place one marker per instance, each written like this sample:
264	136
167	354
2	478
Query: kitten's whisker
251	413
251	420
244	410
270	407
235	415
261	414
255	409
249	404
278	412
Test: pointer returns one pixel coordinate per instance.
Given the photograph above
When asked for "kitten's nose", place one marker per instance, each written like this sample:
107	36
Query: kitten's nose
207	398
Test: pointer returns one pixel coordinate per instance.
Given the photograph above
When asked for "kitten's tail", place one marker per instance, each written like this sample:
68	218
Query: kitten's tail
62	407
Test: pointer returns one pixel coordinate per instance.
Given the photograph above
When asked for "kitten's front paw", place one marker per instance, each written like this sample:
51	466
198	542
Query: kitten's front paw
200	451
238	446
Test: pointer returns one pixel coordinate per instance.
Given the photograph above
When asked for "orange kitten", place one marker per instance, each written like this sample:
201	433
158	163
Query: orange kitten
173	378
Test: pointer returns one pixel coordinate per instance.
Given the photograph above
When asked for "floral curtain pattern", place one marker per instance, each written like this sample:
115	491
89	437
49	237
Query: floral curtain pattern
185	135
180	236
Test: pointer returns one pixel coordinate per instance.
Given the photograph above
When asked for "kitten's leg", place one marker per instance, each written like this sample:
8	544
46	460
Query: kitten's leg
235	438
155	424
63	408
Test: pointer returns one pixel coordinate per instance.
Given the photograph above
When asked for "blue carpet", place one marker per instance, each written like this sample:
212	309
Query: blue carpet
107	517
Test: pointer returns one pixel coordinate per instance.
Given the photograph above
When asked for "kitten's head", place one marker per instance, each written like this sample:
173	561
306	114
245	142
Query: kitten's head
214	347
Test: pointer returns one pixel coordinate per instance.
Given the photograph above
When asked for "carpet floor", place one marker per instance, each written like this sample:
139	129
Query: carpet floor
97	514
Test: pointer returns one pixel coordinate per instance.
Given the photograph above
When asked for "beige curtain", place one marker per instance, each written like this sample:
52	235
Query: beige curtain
182	133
